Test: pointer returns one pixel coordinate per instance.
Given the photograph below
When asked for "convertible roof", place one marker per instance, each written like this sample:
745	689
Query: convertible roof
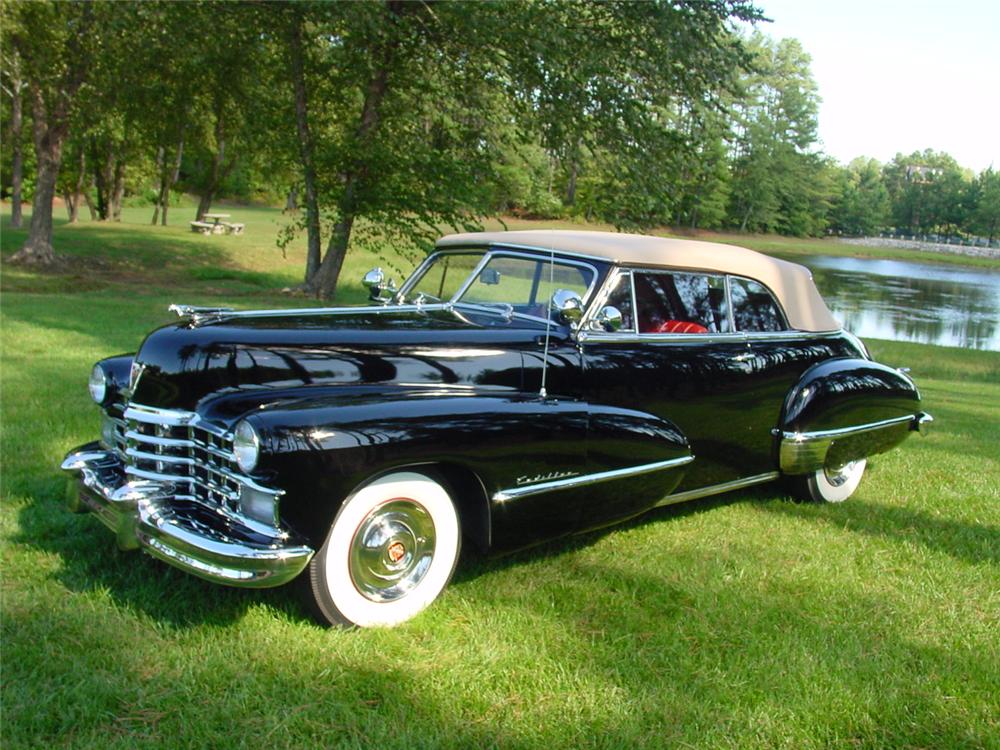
791	283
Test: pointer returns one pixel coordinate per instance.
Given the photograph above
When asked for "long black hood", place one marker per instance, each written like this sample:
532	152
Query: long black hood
184	364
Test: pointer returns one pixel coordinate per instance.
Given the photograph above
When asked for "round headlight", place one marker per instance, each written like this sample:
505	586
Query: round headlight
98	384
246	445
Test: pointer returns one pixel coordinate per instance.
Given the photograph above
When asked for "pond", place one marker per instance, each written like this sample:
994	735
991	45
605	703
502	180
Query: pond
907	301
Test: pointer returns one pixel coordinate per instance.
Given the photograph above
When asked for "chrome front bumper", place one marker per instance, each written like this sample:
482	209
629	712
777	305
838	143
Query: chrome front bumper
208	542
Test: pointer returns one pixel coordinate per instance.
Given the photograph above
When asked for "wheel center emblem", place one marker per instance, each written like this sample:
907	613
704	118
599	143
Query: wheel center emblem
396	551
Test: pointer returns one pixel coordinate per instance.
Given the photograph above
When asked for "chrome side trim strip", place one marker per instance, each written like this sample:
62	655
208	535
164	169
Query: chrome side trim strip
587	479
703	338
845	431
717	489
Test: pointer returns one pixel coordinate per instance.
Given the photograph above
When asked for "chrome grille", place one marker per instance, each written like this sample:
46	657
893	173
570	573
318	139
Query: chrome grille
173	446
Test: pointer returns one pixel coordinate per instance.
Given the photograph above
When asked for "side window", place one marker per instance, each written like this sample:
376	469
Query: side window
621	298
681	303
753	307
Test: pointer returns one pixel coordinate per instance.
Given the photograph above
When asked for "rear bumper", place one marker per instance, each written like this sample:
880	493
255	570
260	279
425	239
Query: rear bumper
804	452
208	542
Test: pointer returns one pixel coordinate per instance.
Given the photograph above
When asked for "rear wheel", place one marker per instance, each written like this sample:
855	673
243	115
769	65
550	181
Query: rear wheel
390	552
831	484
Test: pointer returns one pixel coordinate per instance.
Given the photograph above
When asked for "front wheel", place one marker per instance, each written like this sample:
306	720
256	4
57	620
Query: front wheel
830	484
390	552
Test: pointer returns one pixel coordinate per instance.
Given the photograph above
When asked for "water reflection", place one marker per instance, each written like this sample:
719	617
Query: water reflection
905	301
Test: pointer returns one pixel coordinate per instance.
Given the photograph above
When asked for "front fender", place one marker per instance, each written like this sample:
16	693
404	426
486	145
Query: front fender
845	409
513	460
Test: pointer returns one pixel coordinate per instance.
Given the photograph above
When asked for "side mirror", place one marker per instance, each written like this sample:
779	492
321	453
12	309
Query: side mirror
568	306
490	276
609	319
375	281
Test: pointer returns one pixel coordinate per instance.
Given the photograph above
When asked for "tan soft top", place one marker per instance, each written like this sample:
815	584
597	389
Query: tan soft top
791	283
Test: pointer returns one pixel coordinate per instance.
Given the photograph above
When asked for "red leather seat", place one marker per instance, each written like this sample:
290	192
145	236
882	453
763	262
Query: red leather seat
680	326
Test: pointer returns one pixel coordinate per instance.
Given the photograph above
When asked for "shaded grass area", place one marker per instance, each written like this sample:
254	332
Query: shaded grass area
742	621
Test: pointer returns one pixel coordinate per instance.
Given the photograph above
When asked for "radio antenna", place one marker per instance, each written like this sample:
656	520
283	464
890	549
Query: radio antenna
548	323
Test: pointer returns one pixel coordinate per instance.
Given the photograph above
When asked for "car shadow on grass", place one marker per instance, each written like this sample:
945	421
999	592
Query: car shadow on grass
973	543
473	564
91	562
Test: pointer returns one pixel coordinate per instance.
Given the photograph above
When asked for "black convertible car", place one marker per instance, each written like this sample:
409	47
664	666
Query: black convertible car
517	387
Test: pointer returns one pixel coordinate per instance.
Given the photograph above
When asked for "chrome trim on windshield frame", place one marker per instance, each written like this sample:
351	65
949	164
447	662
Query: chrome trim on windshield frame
588	479
717	489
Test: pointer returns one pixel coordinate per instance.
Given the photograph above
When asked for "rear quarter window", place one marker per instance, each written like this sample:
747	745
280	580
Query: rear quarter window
754	307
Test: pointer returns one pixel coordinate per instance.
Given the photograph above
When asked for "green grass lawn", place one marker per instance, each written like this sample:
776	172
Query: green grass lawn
741	621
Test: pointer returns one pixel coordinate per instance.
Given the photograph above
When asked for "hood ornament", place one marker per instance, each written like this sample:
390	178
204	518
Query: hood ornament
199	315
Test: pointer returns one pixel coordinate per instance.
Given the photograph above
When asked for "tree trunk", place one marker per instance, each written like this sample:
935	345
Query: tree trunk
574	168
118	190
90	205
17	165
208	192
174	175
313	250
204	204
161	171
48	136
292	200
324	281
103	178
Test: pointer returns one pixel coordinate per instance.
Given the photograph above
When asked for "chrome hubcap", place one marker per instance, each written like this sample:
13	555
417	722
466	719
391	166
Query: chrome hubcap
392	550
838	475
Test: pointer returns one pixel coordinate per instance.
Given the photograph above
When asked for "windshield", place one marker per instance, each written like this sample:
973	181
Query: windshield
524	283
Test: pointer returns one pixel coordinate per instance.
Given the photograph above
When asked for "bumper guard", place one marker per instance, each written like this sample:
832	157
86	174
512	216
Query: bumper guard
210	543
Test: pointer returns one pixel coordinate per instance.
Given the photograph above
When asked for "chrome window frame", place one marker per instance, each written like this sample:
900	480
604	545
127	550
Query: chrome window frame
588	331
421	268
537	254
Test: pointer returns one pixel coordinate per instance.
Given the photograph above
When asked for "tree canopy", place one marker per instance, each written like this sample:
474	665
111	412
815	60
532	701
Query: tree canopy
395	119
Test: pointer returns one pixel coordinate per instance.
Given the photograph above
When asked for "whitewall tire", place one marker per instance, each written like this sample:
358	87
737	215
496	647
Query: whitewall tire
390	552
832	484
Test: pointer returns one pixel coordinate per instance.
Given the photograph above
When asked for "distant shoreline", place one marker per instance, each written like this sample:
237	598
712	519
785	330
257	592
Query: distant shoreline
933	247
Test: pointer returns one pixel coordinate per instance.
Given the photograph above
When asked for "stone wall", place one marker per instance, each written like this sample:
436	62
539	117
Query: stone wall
932	247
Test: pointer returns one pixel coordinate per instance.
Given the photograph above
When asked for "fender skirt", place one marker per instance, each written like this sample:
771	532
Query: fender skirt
846	409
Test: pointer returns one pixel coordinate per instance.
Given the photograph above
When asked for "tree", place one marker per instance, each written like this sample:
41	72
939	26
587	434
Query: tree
862	206
53	42
420	99
779	183
926	190
13	85
985	216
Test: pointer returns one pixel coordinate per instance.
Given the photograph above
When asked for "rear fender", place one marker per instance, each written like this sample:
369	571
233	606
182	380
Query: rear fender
845	409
